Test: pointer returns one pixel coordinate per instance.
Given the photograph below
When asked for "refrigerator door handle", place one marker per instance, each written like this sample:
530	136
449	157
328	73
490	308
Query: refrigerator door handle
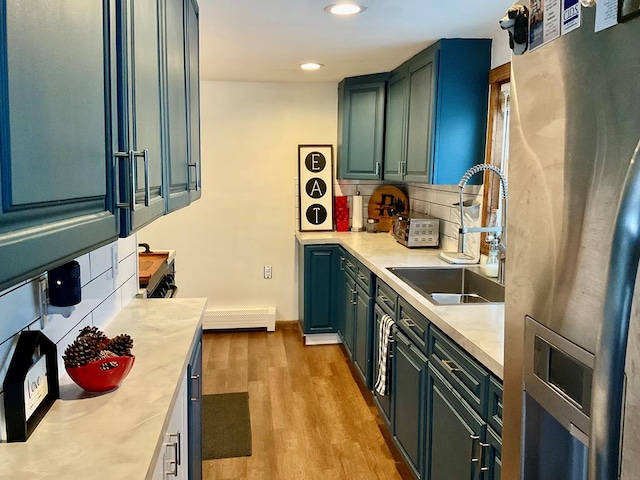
608	387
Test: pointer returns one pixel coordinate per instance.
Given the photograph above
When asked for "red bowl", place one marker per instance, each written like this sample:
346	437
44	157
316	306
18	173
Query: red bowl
92	378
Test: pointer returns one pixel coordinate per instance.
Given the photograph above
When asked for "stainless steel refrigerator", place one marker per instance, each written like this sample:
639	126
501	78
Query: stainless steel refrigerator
575	124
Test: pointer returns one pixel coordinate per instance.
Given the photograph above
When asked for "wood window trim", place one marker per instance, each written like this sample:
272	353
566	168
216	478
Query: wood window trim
497	77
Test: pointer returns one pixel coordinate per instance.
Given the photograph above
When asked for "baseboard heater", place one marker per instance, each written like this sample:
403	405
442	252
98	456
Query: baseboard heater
240	318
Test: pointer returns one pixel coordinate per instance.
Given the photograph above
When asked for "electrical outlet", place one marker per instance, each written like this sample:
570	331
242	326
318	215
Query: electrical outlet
267	271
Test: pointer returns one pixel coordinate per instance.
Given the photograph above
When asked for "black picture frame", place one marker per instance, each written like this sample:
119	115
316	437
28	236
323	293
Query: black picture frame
31	347
325	177
628	9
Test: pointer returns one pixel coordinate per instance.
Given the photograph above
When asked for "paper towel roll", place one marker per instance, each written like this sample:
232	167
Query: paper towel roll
357	224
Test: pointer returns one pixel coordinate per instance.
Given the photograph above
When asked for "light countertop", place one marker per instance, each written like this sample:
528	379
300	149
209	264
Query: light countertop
478	328
115	434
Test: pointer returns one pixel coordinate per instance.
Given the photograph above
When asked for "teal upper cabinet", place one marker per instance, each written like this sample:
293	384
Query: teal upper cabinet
193	70
437	109
56	148
177	138
361	110
395	140
140	157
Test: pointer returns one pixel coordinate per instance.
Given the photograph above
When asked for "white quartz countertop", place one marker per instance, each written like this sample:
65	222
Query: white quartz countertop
477	328
115	434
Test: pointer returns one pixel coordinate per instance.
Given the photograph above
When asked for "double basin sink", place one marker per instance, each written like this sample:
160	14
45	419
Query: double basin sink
451	286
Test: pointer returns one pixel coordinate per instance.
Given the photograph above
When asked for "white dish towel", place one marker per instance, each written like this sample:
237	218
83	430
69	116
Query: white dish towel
384	357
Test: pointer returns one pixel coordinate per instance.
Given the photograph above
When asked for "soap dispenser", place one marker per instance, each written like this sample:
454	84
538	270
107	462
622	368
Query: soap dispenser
491	265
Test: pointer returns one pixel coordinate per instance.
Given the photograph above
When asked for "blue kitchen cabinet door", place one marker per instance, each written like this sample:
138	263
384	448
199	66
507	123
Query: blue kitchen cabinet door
363	335
396	125
56	146
175	110
383	401
422	72
408	385
349	308
194	411
454	433
319	288
193	64
361	111
494	456
140	158
461	104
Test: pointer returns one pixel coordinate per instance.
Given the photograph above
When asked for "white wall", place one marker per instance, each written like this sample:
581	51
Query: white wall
246	216
104	293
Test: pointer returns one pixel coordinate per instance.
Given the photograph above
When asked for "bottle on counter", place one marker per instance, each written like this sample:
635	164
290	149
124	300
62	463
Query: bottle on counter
491	265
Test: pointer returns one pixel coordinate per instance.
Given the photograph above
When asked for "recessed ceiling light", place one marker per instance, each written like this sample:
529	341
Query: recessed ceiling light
344	8
311	66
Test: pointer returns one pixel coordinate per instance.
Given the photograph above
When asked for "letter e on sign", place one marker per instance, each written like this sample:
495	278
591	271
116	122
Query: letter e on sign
315	162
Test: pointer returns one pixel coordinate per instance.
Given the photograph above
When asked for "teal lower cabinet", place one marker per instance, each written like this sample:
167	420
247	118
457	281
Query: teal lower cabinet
317	306
409	377
383	402
341	293
363	335
494	456
455	433
349	309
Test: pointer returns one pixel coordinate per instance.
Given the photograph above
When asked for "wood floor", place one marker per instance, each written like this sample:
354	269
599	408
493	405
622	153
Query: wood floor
309	419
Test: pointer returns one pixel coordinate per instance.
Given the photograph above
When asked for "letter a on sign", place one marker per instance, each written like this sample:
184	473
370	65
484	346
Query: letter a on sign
315	183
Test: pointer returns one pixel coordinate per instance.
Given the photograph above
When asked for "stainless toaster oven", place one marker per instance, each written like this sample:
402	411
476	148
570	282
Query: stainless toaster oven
417	230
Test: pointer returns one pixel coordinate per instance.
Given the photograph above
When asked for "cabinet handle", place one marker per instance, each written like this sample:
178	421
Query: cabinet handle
378	169
483	467
404	168
342	259
177	446
349	264
362	277
399	168
196	398
354	297
123	156
176	454
412	325
474	449
189	167
447	364
147	184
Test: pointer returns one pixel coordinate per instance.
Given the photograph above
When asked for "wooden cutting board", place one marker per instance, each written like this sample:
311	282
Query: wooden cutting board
386	202
150	263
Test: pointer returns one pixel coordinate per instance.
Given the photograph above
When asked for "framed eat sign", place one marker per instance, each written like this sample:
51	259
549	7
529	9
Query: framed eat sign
315	178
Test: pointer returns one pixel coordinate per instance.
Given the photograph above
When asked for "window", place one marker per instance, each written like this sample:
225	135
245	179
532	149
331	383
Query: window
497	142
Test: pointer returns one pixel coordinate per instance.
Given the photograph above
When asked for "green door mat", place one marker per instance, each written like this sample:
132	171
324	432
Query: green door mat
226	426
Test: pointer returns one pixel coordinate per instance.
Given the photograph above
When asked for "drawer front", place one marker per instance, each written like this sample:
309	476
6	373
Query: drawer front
363	277
350	264
465	374
495	405
387	298
413	324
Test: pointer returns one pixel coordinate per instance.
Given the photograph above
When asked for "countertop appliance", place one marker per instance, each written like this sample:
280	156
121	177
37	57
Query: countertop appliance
416	230
574	241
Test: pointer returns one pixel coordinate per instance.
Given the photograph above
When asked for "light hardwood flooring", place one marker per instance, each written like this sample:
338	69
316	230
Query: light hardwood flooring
309	419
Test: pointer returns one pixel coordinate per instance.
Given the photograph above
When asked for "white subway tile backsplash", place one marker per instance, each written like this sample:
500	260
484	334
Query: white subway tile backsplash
85	269
441	212
128	291
127	246
107	310
19	308
100	260
126	269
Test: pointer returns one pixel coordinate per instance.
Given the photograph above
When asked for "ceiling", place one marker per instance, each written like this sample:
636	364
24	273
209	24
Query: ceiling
266	41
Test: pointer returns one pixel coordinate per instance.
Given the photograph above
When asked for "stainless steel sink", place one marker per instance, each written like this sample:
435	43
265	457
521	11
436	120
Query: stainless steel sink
452	286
